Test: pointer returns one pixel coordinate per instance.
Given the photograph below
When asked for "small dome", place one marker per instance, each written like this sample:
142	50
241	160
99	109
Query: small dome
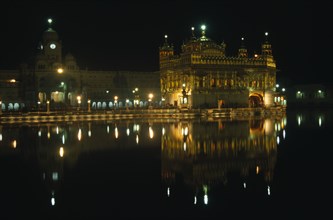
50	35
69	57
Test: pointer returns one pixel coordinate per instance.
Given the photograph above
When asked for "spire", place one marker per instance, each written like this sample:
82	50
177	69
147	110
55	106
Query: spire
266	37
193	36
242	44
166	46
266	47
242	51
49	21
203	28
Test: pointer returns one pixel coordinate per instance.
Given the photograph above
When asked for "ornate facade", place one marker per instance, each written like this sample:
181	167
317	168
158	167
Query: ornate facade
202	75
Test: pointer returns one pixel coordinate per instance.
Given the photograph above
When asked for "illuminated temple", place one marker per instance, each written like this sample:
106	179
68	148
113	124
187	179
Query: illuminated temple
202	75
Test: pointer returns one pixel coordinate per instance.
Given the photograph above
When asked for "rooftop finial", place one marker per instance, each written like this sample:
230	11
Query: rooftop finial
49	21
266	36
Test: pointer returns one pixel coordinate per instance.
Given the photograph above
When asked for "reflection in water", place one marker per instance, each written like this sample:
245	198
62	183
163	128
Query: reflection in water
205	153
201	156
201	153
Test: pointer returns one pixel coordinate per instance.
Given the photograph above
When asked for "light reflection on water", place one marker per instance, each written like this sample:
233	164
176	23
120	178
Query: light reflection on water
203	163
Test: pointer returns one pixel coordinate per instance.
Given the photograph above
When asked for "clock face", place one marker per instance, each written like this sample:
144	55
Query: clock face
52	46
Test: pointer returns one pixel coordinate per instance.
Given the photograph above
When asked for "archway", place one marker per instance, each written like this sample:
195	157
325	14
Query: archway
256	100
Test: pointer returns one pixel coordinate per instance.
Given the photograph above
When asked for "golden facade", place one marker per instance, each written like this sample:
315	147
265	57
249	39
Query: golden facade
205	160
202	75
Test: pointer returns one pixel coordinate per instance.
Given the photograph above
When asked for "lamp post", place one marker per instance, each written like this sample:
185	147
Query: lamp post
48	106
88	102
127	102
78	102
150	99
38	109
115	102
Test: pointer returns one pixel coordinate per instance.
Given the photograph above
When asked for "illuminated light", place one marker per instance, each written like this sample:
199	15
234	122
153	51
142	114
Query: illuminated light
206	199
192	28
79	134
14	143
108	129
184	146
63	139
319	121
279	126
284	134
266	33
268	190
55	176
12	80
49	20
255	55
0	137
60	70
137	139
165	36
61	152
203	27
244	185
283	89
163	131
53	201
57	130
116	134
107	91
277	85
257	169
186	131
319	91
136	127
151	133
48	135
168	191
39	133
89	133
298	92
278	140
242	38
299	120
195	200
128	131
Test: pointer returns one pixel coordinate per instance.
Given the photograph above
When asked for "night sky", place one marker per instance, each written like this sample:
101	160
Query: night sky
123	35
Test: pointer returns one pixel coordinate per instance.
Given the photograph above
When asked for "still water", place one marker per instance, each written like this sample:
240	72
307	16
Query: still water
272	168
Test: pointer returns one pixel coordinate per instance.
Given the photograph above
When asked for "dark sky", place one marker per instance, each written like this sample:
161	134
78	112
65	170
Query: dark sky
124	35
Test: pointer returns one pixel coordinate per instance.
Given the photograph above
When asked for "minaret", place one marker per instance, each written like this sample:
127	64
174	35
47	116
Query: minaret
193	35
242	51
166	51
203	33
266	47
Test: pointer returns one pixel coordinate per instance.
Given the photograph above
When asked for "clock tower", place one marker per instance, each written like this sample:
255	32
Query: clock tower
50	55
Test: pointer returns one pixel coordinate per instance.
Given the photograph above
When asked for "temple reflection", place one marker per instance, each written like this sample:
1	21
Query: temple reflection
203	154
